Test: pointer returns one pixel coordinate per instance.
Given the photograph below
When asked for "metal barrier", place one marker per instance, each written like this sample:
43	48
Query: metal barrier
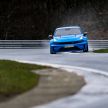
98	44
93	44
4	44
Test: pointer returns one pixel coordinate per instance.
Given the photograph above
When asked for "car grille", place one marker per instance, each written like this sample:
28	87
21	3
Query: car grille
73	42
69	49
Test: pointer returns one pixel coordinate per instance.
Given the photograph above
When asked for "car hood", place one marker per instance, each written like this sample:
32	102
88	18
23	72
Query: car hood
68	38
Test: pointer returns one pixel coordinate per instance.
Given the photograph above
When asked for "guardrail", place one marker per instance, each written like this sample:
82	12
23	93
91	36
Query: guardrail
93	44
98	44
23	43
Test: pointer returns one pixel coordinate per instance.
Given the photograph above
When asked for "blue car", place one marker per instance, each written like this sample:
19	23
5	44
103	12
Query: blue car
68	39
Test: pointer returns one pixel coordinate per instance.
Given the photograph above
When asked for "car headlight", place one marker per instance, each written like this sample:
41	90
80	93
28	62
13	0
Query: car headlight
81	37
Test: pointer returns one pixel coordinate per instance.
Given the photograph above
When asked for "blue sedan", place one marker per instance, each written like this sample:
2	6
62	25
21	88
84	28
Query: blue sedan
69	38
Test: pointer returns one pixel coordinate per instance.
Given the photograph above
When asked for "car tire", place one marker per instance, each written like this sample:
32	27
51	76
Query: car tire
85	48
52	50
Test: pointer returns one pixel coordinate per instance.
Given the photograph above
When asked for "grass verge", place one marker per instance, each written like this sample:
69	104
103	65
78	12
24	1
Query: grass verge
101	51
16	78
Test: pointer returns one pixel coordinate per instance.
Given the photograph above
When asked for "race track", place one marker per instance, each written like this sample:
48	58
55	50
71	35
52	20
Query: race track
84	60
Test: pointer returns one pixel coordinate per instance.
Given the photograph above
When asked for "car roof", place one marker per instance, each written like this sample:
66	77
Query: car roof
68	27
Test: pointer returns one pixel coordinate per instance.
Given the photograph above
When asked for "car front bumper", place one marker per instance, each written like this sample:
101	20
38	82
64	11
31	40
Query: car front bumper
68	47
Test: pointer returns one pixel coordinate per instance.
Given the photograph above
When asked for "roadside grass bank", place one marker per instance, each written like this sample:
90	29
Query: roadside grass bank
16	78
45	84
101	51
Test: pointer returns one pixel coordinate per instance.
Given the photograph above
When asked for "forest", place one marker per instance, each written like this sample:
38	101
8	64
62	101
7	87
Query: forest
36	19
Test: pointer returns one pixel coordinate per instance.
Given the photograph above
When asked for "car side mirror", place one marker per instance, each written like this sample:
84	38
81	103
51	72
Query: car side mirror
85	33
50	36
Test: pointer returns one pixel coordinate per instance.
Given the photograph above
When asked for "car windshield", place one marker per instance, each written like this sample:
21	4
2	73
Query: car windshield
67	31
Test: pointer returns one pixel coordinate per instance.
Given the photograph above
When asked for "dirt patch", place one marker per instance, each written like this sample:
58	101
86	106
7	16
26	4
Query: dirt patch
53	84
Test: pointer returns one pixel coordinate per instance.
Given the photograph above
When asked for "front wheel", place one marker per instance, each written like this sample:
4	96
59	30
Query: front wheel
85	48
52	50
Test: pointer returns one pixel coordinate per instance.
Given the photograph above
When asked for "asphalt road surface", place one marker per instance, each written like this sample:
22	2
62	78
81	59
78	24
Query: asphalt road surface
86	60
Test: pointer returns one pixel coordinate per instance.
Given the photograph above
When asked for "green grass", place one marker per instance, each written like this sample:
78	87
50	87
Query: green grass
17	77
101	51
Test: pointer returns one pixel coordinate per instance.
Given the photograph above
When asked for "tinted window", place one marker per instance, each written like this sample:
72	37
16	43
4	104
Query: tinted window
67	31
